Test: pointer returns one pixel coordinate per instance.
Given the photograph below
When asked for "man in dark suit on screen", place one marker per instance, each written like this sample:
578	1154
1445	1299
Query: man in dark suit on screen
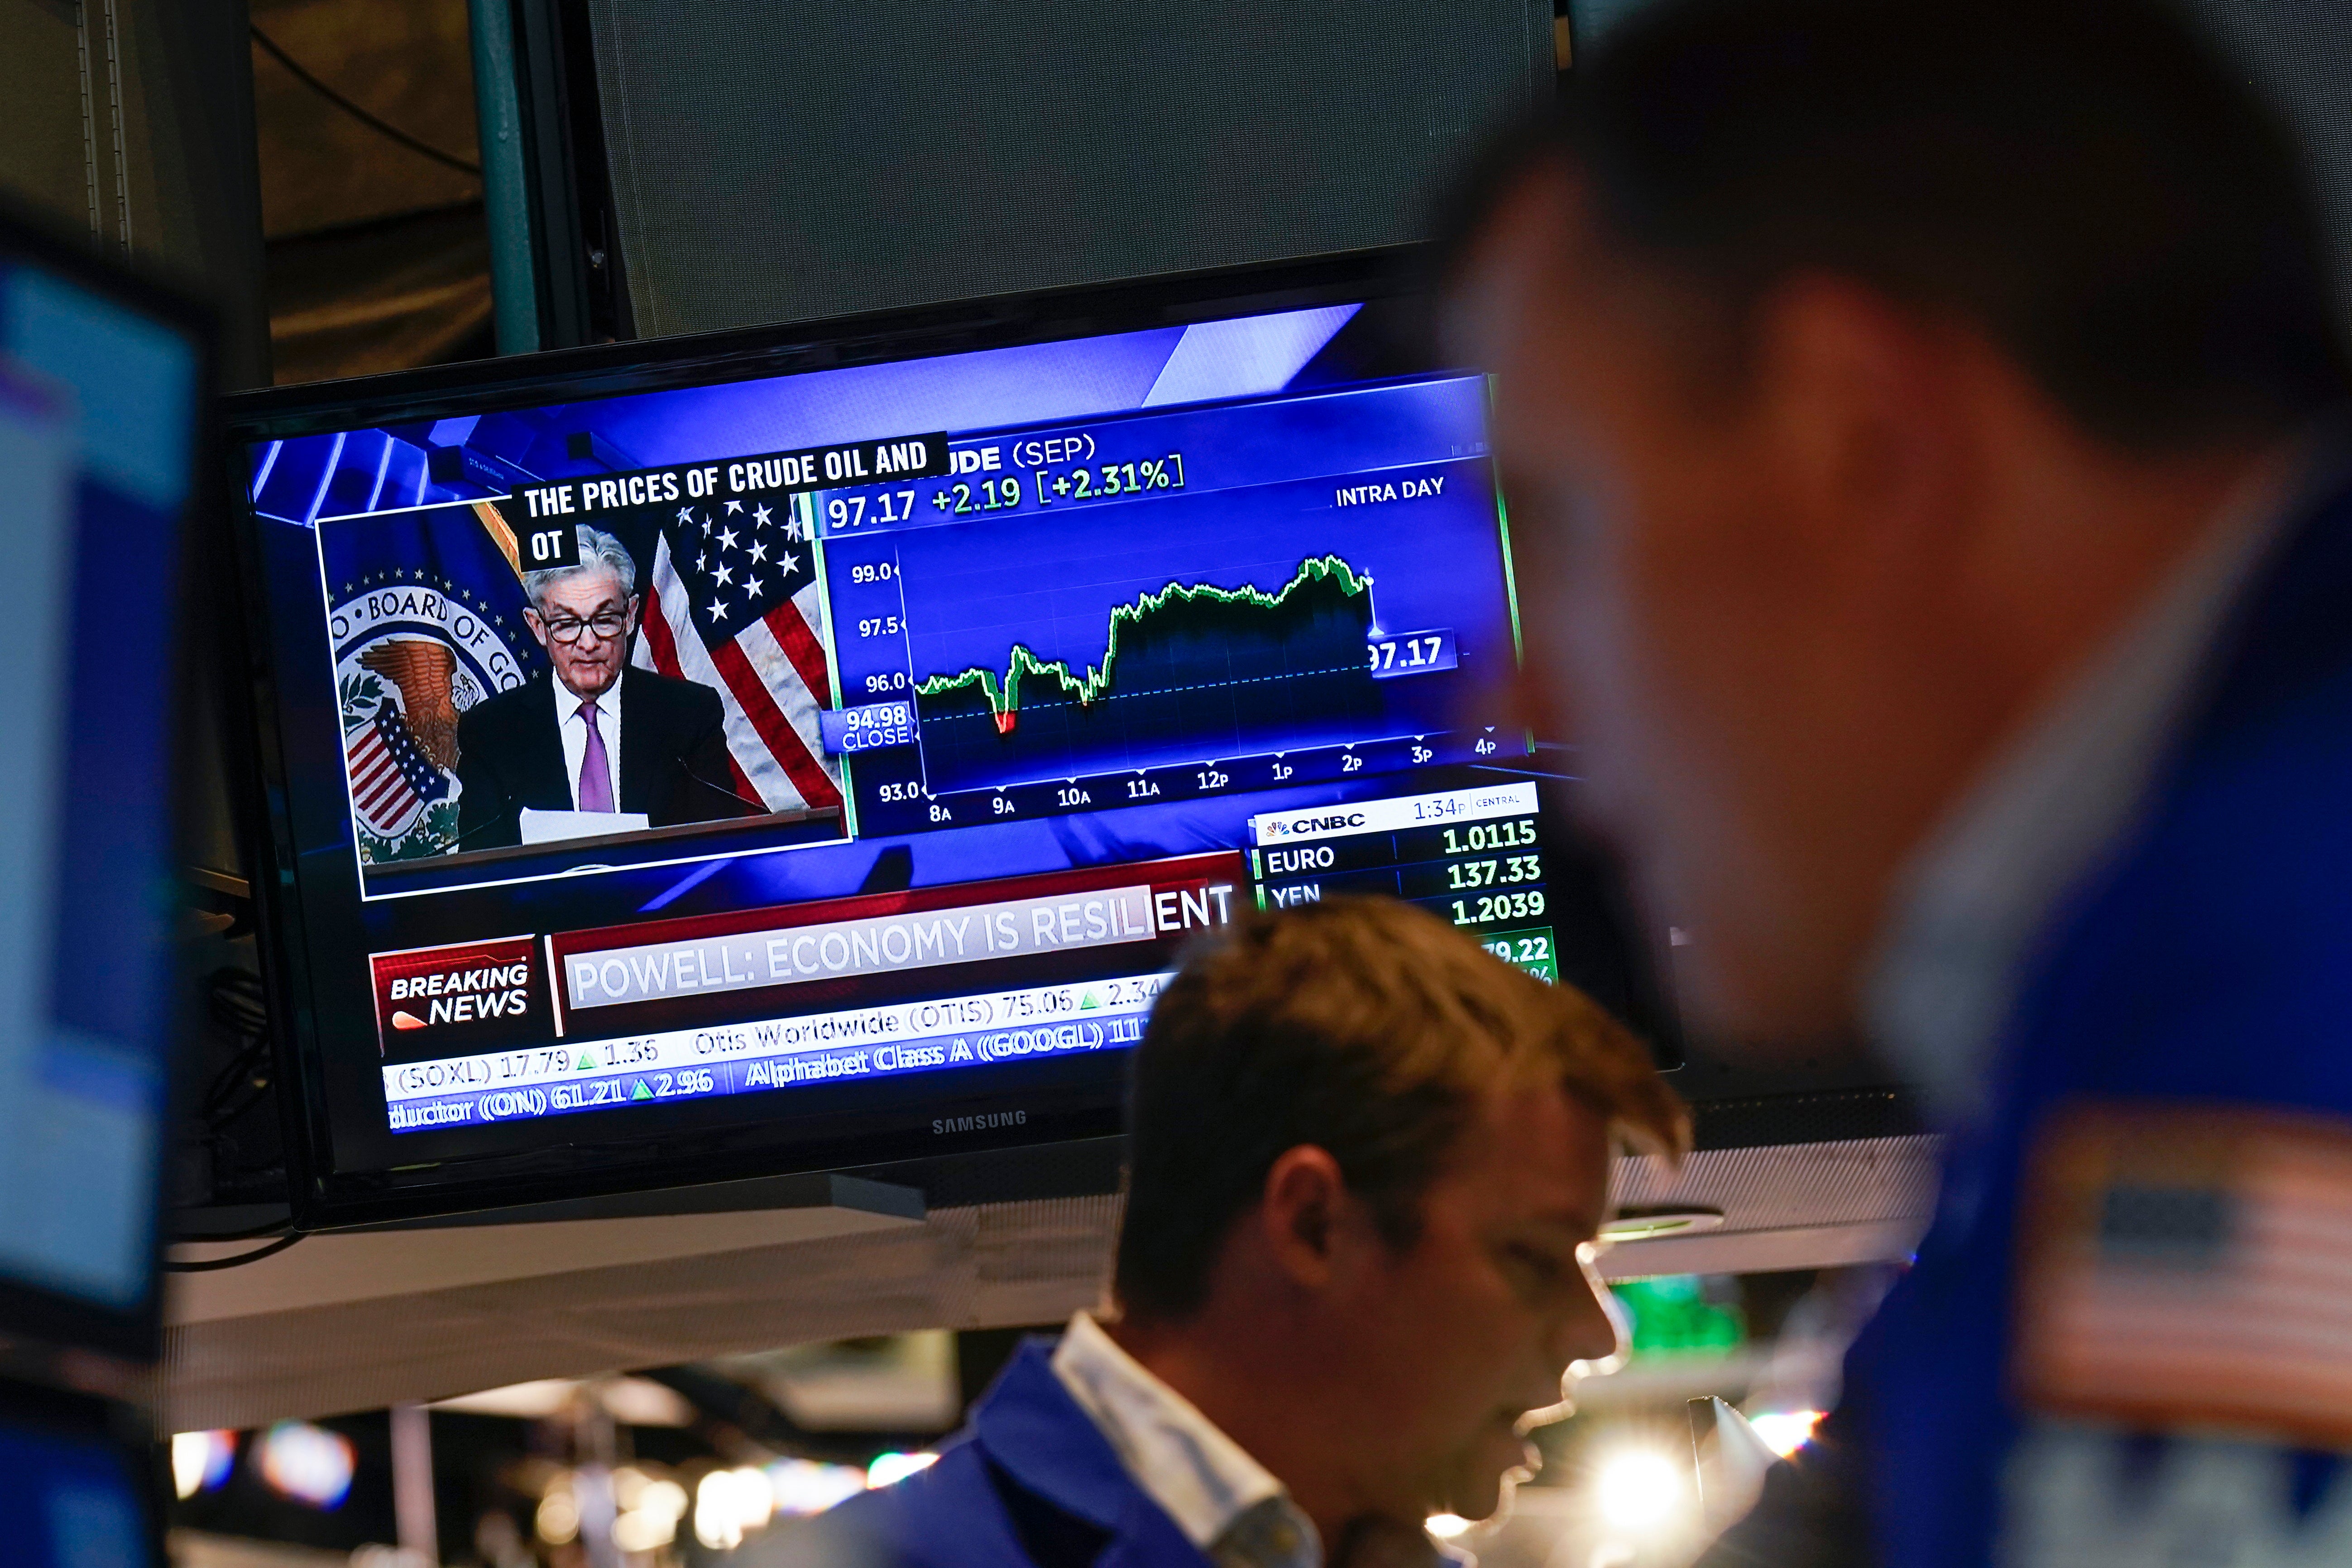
593	735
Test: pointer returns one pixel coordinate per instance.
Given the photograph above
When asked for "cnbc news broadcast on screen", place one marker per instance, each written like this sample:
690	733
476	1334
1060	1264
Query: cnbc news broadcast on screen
692	757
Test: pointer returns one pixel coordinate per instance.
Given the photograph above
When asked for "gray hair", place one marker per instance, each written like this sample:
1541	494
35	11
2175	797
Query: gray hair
599	550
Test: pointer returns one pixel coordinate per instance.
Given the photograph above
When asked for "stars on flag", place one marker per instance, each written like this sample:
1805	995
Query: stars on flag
735	576
735	625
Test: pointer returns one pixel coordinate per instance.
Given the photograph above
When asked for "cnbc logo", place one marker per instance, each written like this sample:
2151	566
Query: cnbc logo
465	993
1308	824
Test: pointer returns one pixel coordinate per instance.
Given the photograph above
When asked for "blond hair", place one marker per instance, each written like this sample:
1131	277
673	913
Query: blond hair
1369	1028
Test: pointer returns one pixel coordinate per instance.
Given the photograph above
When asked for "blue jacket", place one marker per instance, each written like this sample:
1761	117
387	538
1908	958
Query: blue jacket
1031	1481
2211	964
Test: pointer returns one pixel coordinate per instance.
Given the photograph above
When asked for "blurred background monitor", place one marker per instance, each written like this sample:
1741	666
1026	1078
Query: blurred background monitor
99	388
75	1483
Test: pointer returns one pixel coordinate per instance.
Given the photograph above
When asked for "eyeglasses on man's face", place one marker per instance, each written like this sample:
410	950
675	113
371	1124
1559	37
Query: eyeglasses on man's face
569	629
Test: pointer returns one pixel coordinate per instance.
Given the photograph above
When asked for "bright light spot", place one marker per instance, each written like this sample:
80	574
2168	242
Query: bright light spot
307	1463
636	1402
375	1554
629	1485
802	1487
643	1529
755	1500
1446	1526
188	1458
665	1497
1786	1431
728	1504
201	1460
717	1524
1639	1487
559	1517
888	1469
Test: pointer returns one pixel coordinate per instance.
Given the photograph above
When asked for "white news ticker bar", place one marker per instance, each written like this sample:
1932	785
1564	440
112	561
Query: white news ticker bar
743	961
850	1028
1481	804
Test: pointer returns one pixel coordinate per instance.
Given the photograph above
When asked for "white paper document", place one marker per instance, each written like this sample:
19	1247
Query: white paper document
551	827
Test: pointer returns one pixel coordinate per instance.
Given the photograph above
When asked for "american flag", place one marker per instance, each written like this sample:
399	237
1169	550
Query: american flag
392	778
733	606
2192	1268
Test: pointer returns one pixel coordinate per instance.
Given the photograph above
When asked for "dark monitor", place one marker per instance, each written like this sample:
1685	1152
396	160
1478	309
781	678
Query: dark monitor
101	390
75	1482
815	747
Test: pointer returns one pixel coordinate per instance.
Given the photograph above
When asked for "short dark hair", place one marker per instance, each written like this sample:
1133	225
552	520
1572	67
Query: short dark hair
2083	180
1367	1027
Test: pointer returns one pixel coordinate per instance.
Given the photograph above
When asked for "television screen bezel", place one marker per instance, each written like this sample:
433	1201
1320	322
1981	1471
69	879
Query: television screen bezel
1061	1101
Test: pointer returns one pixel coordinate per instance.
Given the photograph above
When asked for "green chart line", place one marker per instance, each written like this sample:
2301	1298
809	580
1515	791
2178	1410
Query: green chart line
1004	695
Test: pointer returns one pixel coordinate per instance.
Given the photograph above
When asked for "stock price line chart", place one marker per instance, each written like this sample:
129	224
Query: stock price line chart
1174	667
1167	607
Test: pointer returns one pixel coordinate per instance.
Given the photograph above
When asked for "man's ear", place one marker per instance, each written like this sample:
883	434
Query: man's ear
1863	393
1302	1210
538	628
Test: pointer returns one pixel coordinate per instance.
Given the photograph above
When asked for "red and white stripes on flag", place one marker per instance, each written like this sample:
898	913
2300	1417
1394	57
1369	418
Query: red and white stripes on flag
392	778
2189	1267
771	678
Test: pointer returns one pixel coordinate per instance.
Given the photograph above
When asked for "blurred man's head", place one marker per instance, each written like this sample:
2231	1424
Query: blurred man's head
1368	1162
583	615
1861	368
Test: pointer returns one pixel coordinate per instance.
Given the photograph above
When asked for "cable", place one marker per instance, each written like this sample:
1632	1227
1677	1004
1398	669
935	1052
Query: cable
237	1002
382	127
224	1083
251	1233
238	1006
256	1255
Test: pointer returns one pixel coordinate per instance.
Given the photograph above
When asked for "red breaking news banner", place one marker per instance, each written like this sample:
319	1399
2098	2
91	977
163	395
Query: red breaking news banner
787	959
466	996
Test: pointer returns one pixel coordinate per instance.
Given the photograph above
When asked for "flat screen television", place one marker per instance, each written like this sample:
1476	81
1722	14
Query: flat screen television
814	747
104	384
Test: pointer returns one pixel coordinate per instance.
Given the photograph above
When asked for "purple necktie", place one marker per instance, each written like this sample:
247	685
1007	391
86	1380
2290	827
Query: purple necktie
595	769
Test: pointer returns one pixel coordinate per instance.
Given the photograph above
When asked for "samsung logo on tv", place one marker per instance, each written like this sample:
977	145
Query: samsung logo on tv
984	1122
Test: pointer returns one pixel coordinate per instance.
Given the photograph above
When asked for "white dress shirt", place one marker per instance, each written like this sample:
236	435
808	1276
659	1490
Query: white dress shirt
573	729
1967	914
1225	1503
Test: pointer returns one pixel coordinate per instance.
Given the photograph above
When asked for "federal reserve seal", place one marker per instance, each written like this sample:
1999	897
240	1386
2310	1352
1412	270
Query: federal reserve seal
412	652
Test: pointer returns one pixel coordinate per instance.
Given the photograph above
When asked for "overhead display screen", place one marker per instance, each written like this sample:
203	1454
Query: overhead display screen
100	401
726	756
